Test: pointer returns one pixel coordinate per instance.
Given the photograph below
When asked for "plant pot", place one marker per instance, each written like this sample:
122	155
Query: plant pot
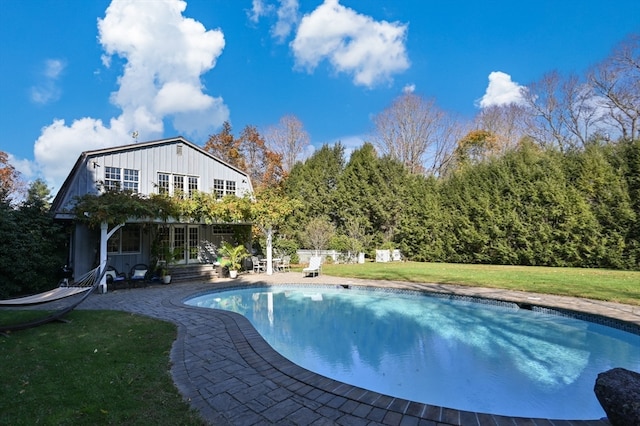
233	274
166	279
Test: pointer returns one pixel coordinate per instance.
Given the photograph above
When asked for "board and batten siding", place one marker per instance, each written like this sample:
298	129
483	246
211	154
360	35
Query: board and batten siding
173	157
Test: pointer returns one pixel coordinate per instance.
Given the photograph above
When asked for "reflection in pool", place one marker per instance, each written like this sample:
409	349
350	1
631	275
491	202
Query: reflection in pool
457	354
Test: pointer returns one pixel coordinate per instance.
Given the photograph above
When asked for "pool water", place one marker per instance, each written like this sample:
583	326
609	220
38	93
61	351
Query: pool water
452	353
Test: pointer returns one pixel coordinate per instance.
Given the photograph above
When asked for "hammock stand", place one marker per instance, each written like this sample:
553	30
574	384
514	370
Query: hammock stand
85	284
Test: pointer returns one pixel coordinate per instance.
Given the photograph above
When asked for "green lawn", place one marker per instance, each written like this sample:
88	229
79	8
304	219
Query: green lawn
601	284
101	368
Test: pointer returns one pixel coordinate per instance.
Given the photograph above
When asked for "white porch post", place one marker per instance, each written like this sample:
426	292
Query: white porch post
269	232
104	237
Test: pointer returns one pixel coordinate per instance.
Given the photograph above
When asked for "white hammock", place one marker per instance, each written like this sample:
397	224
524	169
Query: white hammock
84	283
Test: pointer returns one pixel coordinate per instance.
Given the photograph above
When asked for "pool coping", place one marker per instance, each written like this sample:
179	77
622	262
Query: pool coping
363	406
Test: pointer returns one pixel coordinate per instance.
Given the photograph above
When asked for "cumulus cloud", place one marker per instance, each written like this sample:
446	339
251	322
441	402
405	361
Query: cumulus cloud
165	54
372	51
501	91
47	89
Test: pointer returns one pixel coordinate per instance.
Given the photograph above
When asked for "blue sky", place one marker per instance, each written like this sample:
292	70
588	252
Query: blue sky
81	75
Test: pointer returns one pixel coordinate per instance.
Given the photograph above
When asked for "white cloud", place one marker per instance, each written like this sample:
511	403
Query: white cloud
287	19
372	51
26	168
165	55
258	9
409	88
286	13
47	90
501	91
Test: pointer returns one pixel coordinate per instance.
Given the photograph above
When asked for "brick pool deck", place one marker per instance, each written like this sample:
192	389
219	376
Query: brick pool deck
231	376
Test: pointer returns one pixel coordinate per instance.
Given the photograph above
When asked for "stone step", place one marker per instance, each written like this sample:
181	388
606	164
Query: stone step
194	272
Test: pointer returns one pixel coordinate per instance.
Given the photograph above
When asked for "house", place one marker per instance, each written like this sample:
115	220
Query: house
171	166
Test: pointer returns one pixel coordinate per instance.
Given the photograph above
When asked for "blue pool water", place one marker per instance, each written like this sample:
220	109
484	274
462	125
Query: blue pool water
458	354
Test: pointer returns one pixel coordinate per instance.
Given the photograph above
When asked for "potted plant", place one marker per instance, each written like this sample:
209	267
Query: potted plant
168	257
235	256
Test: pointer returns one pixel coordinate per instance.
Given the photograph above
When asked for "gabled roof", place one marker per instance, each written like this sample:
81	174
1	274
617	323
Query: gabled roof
86	155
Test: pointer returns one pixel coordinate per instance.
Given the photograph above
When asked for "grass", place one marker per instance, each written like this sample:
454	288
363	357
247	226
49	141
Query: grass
599	284
103	367
107	367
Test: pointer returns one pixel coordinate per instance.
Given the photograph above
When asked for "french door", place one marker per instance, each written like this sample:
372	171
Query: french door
184	240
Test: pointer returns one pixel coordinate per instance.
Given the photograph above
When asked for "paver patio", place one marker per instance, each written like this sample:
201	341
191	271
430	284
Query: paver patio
226	371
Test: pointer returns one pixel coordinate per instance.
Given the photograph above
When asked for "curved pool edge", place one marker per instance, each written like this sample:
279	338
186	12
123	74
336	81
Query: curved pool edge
322	394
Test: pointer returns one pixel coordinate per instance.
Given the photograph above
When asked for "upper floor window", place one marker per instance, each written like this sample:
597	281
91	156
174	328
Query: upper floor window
177	185
218	187
231	187
130	182
163	183
116	178
192	186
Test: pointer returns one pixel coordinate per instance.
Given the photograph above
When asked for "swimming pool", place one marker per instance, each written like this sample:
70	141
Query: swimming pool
452	353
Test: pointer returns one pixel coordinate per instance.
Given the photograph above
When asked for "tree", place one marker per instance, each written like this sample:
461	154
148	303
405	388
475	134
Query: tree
371	191
263	165
39	195
10	181
547	121
289	140
616	81
248	153
319	232
35	245
224	146
505	122
475	147
415	132
314	184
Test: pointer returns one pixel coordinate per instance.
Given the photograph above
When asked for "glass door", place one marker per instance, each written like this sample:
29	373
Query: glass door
193	244
179	243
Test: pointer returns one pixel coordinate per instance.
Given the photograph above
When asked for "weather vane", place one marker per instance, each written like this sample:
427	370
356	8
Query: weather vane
134	135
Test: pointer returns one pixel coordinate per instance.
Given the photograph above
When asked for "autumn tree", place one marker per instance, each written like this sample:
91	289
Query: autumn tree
225	146
10	181
416	132
476	146
263	165
288	139
249	153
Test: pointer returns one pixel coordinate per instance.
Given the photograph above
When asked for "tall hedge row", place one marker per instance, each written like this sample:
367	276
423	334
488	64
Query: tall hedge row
530	206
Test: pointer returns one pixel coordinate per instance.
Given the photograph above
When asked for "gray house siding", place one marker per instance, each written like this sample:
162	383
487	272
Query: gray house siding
177	159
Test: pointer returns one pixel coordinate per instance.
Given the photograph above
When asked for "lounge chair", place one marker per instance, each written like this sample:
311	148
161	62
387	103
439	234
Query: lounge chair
114	278
139	274
315	264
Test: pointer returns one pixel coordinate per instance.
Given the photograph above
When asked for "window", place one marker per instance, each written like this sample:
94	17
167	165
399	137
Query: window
130	182
163	183
231	187
218	187
178	186
111	178
193	186
115	179
125	240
